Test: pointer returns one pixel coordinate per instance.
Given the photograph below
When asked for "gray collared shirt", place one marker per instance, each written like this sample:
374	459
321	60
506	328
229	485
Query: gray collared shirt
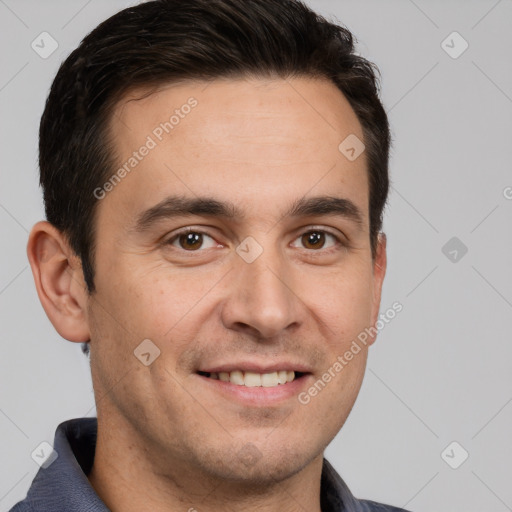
63	486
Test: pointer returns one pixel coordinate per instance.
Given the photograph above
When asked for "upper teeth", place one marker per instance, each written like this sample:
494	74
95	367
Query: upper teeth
251	379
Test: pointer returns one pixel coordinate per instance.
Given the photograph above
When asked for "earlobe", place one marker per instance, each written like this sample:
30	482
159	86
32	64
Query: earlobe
59	281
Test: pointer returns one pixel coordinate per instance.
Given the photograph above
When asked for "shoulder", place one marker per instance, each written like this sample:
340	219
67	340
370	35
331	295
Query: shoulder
21	506
336	496
373	506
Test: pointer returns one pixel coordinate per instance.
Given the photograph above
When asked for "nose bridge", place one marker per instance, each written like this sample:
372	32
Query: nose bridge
262	297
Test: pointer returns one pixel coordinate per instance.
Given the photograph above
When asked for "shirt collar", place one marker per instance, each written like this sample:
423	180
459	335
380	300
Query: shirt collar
63	485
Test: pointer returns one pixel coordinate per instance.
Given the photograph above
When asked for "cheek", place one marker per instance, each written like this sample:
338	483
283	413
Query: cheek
343	303
330	398
150	302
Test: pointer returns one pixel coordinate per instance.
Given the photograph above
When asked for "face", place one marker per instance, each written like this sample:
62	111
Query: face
238	243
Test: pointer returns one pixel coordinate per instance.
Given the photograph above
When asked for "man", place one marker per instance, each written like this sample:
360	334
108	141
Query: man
214	176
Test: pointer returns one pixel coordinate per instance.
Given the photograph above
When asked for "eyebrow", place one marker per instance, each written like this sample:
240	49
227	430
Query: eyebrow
182	206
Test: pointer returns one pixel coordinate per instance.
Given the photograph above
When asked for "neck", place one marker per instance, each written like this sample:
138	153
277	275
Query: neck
126	478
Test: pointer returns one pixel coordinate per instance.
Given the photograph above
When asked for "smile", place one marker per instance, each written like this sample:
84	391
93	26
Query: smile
253	379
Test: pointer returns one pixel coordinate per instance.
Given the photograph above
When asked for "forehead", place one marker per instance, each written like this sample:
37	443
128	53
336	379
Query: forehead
251	140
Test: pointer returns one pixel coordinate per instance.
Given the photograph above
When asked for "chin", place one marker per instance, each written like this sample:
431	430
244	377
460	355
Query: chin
249	466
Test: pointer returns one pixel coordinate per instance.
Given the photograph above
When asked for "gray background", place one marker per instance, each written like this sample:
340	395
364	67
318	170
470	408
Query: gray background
440	371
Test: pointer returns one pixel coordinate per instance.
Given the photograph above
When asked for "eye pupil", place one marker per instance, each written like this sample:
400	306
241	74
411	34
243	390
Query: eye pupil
191	240
313	238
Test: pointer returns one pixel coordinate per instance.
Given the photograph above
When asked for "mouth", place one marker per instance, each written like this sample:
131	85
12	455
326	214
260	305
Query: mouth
254	379
255	383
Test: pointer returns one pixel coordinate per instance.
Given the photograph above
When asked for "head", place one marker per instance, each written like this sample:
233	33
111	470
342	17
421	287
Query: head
197	196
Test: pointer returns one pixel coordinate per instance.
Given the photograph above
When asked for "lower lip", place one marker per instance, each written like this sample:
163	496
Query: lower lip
257	395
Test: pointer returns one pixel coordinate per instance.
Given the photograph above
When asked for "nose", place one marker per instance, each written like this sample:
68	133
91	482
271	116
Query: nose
261	299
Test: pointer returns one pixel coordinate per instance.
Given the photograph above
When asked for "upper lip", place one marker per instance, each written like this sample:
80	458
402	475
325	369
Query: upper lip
252	366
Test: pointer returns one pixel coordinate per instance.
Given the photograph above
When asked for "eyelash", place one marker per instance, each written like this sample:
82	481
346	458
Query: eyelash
340	244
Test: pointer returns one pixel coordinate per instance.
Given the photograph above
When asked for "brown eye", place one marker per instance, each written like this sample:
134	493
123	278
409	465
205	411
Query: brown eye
190	241
316	239
313	239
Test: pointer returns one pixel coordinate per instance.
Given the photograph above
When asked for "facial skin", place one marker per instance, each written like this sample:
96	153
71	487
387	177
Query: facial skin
169	438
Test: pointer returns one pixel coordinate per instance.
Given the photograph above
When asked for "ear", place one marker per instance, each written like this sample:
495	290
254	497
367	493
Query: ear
59	281
379	272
